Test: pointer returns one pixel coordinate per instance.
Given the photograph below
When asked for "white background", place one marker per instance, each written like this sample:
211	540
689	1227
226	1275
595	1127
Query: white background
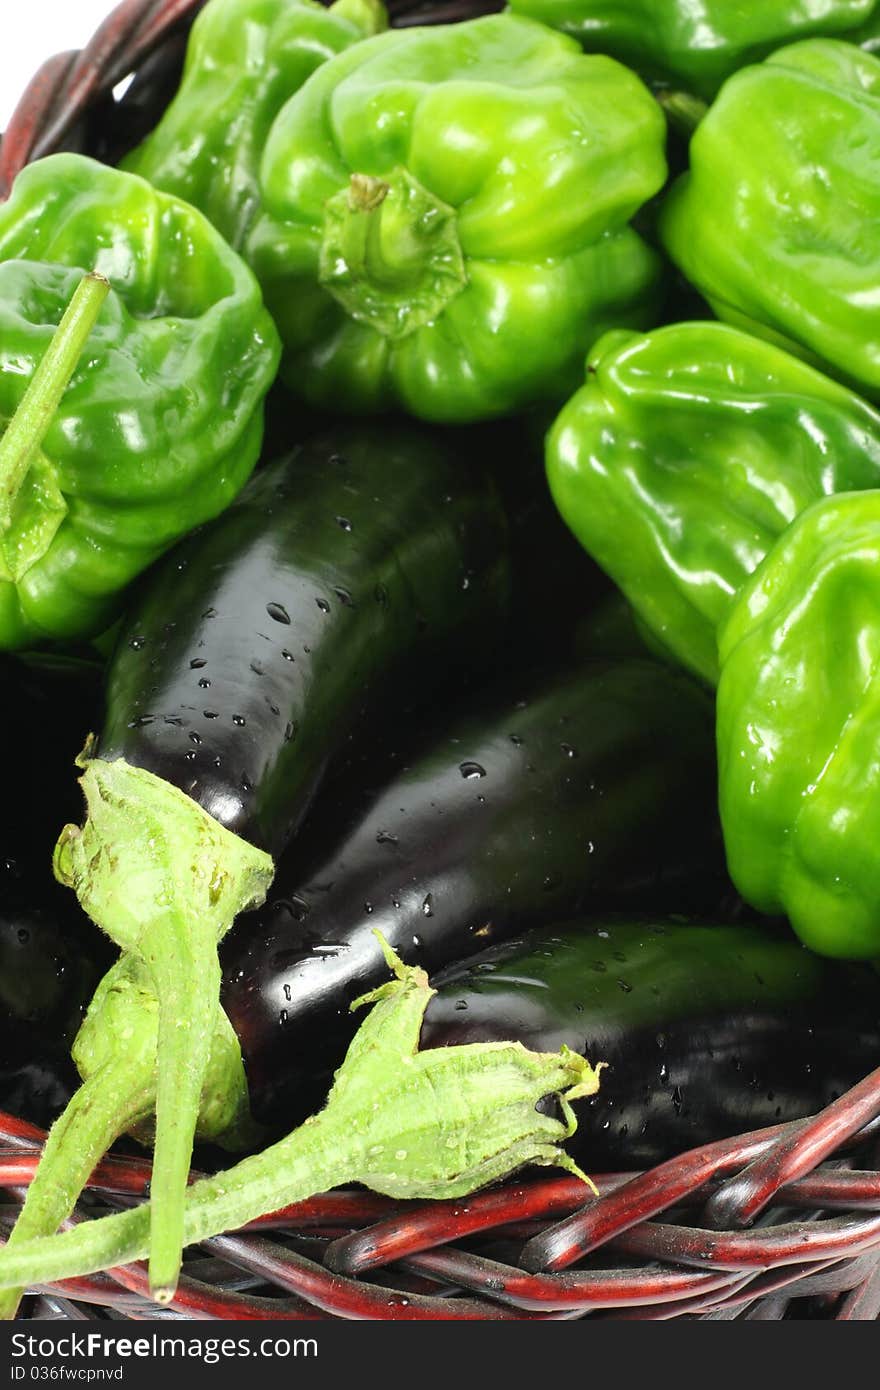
35	30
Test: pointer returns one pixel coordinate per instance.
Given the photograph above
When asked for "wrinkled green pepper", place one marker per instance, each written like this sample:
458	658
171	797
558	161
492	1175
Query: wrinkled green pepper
700	45
444	221
155	422
686	454
799	729
244	59
778	221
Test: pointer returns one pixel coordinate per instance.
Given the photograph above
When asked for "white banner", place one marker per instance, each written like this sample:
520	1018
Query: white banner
35	29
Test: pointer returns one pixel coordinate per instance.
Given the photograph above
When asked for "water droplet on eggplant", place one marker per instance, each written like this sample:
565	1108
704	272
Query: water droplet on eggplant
470	770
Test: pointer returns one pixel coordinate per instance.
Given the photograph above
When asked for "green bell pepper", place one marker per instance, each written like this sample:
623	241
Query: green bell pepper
244	59
701	45
444	218
799	728
778	221
686	454
146	418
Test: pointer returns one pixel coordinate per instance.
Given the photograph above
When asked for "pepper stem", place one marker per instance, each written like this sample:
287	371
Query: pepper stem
370	16
683	110
390	252
110	1102
27	429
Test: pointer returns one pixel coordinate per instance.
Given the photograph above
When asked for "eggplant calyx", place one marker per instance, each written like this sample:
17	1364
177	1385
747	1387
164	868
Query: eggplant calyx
165	881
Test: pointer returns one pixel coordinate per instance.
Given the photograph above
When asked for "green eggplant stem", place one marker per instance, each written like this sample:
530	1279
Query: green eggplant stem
27	429
185	969
112	1100
434	1124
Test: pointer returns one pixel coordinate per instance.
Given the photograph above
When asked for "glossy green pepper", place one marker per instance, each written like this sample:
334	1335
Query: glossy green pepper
444	219
685	455
699	45
244	59
799	729
778	221
150	425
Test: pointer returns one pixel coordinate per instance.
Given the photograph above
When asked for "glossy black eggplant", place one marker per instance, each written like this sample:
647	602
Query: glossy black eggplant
586	789
363	562
708	1031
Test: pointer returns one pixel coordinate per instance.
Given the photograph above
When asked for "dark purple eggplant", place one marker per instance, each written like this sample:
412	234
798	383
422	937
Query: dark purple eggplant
708	1031
586	790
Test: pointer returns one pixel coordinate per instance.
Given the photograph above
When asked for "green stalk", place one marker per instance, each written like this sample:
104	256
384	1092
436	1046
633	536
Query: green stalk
110	1102
683	110
27	429
369	16
185	970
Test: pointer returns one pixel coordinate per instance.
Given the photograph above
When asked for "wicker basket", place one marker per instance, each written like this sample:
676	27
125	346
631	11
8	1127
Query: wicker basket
781	1223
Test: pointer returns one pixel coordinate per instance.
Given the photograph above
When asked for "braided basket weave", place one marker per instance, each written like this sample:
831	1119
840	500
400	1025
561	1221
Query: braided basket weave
780	1223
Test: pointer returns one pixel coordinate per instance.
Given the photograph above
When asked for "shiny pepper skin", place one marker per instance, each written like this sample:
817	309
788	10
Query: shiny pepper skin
244	60
445	218
700	45
777	223
161	421
686	454
798	723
